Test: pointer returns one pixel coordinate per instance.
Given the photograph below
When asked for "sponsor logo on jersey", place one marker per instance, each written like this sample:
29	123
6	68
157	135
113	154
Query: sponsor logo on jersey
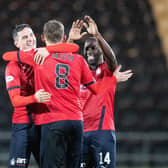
9	78
83	88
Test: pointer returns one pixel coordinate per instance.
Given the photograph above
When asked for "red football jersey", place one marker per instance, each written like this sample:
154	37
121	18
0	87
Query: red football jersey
98	109
20	77
60	75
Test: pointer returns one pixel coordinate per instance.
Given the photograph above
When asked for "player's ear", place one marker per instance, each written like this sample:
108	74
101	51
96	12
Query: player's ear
42	38
16	44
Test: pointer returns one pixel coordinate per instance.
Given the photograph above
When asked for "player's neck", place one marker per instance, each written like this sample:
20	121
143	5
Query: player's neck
48	43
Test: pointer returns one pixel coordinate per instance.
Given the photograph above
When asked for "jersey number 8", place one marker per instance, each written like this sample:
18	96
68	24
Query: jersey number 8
61	81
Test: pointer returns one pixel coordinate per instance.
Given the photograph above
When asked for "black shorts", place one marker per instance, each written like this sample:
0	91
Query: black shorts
25	139
61	144
99	149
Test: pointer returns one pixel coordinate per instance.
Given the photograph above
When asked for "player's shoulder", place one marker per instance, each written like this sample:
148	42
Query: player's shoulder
104	68
78	56
12	67
12	64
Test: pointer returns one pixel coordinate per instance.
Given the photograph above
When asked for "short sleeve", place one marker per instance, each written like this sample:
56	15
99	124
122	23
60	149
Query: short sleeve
12	76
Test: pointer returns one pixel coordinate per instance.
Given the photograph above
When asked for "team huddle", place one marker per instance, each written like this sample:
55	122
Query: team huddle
63	101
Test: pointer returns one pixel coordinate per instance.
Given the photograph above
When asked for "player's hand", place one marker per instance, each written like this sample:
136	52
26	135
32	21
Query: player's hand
91	26
40	55
42	96
75	31
122	76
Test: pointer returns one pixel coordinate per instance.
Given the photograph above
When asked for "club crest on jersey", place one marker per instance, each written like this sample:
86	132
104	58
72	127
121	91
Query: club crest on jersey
9	78
98	71
82	87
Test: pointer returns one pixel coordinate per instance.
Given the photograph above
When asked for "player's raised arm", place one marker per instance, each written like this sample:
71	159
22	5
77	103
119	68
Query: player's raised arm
61	47
108	53
20	56
38	55
42	53
75	31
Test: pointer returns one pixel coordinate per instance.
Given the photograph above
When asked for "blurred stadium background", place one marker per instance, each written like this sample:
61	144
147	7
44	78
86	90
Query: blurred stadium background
137	30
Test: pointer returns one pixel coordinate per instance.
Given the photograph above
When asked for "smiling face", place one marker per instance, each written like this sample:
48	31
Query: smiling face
92	53
25	39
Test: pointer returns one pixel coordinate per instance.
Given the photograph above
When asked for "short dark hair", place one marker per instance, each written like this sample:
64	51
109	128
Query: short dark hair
91	38
19	28
53	30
